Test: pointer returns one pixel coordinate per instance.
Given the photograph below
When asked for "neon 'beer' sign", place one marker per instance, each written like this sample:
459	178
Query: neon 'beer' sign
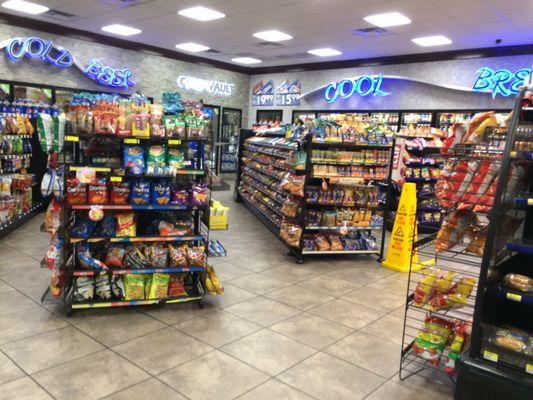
500	82
365	85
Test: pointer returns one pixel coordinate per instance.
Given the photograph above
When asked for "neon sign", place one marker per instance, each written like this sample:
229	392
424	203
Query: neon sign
364	86
500	82
204	85
36	48
107	76
33	47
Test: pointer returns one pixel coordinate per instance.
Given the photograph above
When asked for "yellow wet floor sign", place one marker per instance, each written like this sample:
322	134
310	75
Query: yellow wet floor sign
404	233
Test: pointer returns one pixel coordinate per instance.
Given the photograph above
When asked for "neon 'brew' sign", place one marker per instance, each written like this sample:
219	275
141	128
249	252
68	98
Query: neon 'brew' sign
500	82
37	48
365	85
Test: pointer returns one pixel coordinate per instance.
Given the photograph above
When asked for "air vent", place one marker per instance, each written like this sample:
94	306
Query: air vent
370	32
213	51
269	45
290	56
54	14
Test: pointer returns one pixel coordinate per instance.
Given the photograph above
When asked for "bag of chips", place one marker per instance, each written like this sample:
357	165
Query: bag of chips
76	192
126	225
160	192
199	194
156	156
180	196
115	256
158	255
120	193
97	193
134	286
196	256
176	287
178	256
176	158
159	286
134	159
140	192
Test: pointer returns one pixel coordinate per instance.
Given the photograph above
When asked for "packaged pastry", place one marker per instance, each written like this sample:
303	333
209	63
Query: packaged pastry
291	233
336	244
514	340
519	282
290	207
322	243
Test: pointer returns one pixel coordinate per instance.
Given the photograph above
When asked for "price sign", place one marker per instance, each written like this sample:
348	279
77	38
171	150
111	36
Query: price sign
69	138
514	297
116	179
131	141
174	141
489	355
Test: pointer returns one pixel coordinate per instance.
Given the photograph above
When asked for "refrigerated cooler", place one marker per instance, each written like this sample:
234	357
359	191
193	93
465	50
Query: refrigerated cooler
212	116
228	140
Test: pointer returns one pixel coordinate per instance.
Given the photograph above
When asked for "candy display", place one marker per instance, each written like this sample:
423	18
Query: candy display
355	196
352	241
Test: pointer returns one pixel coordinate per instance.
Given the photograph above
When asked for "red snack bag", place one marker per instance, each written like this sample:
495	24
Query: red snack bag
115	256
98	193
480	183
451	189
176	287
120	193
76	192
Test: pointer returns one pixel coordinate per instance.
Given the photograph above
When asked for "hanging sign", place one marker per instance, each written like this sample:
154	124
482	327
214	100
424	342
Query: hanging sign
363	86
205	85
263	94
501	82
36	48
288	94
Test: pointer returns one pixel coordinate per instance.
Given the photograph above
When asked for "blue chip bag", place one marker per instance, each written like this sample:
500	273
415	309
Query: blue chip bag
160	193
140	192
83	228
134	159
107	227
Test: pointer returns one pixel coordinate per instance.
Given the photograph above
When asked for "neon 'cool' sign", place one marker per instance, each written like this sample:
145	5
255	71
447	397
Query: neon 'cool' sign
500	82
363	86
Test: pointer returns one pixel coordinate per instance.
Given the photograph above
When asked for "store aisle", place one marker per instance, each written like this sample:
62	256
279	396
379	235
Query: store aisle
324	329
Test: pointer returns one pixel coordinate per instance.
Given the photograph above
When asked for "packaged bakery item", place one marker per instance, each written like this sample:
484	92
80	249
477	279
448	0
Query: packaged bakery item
126	225
178	256
477	125
134	286
512	339
519	282
76	192
291	233
115	256
453	230
322	243
432	338
461	332
294	184
336	244
120	193
140	192
290	207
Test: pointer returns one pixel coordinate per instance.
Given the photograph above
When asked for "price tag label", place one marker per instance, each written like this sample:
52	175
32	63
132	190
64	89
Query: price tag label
489	355
530	202
70	138
116	179
131	141
102	169
174	141
529	368
514	297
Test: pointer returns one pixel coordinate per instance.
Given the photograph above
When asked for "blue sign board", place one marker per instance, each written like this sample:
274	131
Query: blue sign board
263	94
288	93
500	82
37	48
363	86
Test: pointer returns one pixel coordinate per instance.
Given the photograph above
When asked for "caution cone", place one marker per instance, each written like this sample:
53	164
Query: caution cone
404	234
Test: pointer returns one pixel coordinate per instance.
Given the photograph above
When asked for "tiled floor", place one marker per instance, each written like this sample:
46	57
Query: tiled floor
327	329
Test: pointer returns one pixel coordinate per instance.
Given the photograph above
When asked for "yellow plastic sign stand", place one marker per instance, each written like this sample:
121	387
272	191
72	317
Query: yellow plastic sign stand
404	234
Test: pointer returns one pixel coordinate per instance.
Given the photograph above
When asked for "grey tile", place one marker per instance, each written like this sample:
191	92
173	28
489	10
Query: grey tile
329	285
30	281
268	351
349	314
218	328
430	384
227	271
21	324
262	311
232	294
358	277
8	370
259	283
325	377
213	376
389	328
161	350
13	301
103	372
312	330
368	352
118	326
150	389
172	314
391	390
15	261
398	312
289	272
23	389
299	297
51	348
274	389
4	287
369	297
393	284
253	263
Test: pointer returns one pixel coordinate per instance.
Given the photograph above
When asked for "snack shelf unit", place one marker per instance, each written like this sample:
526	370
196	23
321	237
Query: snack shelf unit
193	284
500	363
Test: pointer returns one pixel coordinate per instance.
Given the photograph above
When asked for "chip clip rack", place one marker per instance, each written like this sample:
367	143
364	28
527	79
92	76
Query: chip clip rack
195	291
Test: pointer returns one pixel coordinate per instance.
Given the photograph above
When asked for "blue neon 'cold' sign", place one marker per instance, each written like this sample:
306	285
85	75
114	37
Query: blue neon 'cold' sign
363	86
500	82
33	47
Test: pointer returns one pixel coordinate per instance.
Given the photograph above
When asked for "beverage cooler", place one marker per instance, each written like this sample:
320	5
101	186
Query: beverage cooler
212	116
228	140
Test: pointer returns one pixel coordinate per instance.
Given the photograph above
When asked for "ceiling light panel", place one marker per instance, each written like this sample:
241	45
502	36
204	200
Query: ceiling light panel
272	36
246	60
427	41
121	30
192	47
325	52
25	7
200	13
388	19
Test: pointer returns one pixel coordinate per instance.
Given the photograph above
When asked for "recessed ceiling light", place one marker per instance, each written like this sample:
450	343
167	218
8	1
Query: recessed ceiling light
388	19
272	36
25	6
192	47
201	13
122	30
246	60
325	52
427	41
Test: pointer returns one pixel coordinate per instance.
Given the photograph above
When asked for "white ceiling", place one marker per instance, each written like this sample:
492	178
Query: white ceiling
312	23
